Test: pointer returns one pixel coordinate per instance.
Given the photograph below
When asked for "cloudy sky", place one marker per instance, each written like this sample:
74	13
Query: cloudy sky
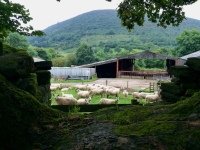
48	12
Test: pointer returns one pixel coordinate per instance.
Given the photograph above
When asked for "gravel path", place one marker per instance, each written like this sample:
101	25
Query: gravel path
120	82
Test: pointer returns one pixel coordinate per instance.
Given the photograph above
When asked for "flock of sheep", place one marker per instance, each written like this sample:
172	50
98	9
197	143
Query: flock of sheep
86	92
150	97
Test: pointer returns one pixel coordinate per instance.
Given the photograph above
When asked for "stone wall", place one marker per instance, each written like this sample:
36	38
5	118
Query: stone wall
17	66
185	83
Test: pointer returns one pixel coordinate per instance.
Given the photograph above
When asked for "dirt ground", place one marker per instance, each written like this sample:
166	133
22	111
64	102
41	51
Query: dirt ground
129	84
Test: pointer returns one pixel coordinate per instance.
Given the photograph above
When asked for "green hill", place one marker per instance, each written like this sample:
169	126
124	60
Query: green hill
102	28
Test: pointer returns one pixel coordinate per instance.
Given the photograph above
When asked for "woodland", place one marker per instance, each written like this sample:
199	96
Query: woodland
98	35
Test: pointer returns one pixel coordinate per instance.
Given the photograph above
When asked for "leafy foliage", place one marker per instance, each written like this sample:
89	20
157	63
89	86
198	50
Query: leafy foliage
164	13
67	61
84	55
188	42
11	16
18	41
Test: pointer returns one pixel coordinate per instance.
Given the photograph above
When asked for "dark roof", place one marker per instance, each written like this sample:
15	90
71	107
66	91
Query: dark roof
195	54
141	55
98	63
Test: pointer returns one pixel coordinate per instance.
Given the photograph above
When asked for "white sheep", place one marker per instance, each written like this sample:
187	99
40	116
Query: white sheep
83	94
109	101
65	100
135	95
142	95
112	91
83	101
66	95
56	84
54	88
97	91
153	98
125	93
64	89
80	87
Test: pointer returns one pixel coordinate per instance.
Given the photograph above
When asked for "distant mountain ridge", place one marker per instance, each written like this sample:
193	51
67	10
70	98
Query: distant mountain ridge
103	26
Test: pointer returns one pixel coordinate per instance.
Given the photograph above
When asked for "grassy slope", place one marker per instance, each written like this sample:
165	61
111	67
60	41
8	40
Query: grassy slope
91	27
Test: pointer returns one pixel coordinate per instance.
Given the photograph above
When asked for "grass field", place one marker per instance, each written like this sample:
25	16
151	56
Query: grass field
96	98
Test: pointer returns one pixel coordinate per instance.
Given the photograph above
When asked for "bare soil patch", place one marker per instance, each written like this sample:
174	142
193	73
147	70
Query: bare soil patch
129	84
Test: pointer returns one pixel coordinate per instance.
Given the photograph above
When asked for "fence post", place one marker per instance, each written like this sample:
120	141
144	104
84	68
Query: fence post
106	82
127	84
151	87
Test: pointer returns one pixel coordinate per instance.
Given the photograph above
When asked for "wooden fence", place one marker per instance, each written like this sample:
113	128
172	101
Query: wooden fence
143	74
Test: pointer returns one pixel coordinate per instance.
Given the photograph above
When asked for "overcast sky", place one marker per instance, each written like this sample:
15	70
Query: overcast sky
48	12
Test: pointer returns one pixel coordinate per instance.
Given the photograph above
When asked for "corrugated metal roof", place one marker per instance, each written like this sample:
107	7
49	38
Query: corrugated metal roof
141	55
37	59
97	63
195	54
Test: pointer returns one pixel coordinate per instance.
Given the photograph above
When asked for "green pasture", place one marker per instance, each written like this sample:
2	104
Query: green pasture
73	81
96	98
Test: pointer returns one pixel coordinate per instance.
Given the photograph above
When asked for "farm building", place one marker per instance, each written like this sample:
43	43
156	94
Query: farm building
124	66
72	72
195	54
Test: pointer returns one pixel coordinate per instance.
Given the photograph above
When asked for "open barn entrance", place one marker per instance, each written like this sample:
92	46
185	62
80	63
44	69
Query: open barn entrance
125	65
106	70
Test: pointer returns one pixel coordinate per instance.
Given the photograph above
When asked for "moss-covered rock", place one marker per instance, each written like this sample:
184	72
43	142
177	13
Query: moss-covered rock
21	116
189	85
9	49
172	88
193	63
190	92
183	71
32	86
169	97
188	79
43	65
44	94
43	77
28	84
176	80
16	65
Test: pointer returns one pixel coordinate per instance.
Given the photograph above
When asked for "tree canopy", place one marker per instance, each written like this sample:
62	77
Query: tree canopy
188	42
162	12
18	41
12	15
84	55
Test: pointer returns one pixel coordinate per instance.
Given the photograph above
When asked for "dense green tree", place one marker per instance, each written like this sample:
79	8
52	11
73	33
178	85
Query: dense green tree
106	49
100	54
139	63
84	55
52	53
18	41
188	42
59	62
67	61
117	49
31	51
42	53
123	52
70	60
162	12
12	15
